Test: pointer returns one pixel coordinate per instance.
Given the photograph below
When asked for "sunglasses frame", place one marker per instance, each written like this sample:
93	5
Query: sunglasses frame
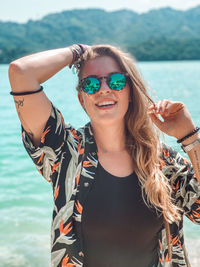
100	81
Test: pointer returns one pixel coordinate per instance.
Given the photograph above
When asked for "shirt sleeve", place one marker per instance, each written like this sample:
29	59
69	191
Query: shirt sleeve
48	155
186	188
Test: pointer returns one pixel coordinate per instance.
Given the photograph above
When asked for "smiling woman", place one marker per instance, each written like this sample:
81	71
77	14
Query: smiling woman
120	194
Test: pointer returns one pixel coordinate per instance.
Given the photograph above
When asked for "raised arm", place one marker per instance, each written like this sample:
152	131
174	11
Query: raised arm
26	74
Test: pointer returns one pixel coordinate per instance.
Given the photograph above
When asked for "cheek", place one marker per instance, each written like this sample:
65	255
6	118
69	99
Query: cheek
126	102
126	97
87	103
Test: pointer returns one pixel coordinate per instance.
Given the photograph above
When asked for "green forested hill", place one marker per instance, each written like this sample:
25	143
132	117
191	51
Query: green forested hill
162	34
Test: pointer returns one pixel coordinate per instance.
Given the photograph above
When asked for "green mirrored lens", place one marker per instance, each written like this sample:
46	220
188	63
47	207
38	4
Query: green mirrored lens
90	85
117	81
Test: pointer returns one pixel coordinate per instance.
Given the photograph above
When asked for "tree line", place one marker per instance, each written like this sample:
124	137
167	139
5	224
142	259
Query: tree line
162	34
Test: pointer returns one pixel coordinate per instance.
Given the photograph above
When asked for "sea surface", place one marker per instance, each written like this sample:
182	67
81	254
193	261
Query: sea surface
26	201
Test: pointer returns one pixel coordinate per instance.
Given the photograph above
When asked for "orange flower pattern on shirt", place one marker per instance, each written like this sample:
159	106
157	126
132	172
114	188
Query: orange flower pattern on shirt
78	178
80	150
44	134
65	262
65	230
79	207
56	192
55	166
166	153
87	164
41	158
176	241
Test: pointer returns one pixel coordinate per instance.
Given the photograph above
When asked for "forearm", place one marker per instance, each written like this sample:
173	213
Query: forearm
27	73
194	155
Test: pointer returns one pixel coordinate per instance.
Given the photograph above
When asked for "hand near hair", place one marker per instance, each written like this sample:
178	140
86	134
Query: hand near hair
77	51
176	120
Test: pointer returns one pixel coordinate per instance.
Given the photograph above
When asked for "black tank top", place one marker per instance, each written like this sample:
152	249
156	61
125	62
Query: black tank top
118	228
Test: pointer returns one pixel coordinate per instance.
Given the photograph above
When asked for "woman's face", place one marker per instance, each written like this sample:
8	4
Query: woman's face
96	104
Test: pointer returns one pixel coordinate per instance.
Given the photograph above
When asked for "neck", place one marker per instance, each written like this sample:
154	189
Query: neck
110	138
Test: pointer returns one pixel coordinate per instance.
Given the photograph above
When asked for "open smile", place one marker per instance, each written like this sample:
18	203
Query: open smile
106	104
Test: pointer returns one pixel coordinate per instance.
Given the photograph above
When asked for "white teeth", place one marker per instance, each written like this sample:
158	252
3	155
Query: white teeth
105	103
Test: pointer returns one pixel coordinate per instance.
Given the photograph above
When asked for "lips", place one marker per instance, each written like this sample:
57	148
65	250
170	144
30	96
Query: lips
106	103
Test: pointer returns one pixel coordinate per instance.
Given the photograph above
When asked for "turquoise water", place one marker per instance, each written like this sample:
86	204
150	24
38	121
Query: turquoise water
26	201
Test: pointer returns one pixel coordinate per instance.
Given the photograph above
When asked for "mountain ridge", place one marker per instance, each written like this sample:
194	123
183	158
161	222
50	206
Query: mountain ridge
123	27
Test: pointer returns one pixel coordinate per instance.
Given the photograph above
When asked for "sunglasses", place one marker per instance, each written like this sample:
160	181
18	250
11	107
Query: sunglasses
115	81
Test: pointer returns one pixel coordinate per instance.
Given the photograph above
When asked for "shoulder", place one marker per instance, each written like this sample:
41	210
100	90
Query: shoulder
173	157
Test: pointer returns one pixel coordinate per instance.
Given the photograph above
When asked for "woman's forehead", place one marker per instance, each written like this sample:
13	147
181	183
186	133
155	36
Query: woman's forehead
100	66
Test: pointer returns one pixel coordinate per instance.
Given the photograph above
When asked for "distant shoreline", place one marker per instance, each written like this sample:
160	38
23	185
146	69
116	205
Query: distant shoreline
137	60
147	61
151	50
157	35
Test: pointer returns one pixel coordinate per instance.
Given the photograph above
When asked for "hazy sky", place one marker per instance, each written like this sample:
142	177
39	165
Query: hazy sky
23	10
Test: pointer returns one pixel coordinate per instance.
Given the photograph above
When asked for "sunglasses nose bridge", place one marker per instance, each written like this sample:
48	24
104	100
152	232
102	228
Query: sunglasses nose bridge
104	84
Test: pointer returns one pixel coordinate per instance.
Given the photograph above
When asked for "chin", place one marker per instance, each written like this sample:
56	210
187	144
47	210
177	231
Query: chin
108	120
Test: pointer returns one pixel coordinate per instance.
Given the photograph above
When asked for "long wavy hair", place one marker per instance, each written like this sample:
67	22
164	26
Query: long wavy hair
143	140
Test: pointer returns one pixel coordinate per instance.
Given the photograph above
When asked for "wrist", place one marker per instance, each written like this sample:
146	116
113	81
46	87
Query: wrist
190	133
77	50
190	140
190	146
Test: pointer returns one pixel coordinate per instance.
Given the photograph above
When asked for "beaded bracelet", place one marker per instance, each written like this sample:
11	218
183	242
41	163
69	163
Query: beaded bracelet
189	135
189	147
77	51
26	93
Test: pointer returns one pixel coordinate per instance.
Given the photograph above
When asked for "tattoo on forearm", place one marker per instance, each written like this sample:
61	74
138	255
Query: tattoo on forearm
197	160
19	103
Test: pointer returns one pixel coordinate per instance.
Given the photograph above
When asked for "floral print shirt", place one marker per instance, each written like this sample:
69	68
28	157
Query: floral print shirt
67	158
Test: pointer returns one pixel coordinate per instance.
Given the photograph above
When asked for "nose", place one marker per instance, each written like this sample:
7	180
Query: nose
104	88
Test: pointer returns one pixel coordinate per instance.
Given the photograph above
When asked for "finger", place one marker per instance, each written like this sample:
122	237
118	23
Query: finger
164	107
159	106
151	108
175	107
163	110
155	119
